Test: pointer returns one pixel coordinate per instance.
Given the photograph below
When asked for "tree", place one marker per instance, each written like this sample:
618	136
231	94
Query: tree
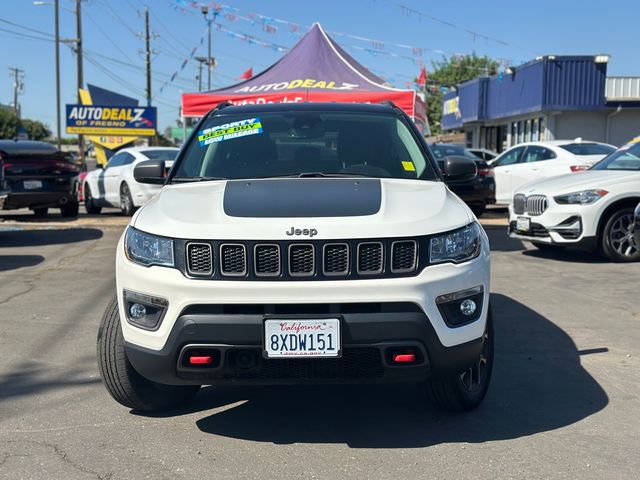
36	129
449	72
9	123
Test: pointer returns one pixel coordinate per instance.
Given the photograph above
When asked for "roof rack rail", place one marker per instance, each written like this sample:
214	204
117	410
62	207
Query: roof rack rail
391	104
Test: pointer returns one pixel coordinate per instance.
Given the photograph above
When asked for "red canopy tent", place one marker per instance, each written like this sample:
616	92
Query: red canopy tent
316	69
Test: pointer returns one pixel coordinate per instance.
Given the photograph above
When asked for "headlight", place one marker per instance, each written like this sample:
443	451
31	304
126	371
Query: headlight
457	246
585	197
147	249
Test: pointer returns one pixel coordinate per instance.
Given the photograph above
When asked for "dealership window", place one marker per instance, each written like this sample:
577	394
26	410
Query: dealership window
542	128
514	134
534	130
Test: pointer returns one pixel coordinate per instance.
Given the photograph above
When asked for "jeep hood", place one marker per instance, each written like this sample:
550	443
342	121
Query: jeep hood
575	182
338	208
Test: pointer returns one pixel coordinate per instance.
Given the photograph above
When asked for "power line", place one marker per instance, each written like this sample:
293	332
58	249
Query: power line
114	14
108	37
26	28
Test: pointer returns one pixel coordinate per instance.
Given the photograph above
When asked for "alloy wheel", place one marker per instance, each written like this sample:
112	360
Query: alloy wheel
621	236
473	378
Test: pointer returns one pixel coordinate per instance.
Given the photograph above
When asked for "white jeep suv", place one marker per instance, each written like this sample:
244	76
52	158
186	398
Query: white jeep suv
591	209
300	243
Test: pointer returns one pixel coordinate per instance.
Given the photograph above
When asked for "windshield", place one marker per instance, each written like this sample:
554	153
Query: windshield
303	143
588	148
441	151
625	158
166	154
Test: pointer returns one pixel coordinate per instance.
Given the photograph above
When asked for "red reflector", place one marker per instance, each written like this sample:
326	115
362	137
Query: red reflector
578	168
404	357
201	359
485	172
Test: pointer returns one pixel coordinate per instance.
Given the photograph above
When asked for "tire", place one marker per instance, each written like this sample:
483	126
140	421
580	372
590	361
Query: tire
123	383
478	209
89	203
617	242
545	247
458	393
126	202
70	209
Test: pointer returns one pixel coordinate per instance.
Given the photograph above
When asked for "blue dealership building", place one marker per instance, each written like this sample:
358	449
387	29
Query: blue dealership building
549	98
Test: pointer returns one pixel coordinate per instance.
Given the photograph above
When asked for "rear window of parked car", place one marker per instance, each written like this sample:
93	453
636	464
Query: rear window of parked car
588	148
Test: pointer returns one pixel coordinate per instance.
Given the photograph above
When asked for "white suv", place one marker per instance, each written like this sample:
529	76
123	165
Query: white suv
299	243
592	209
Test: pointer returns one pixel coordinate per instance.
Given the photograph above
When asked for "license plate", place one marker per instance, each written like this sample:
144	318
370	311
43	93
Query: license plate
302	338
523	224
32	184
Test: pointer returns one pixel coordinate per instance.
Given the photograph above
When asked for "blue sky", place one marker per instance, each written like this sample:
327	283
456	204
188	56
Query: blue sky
518	32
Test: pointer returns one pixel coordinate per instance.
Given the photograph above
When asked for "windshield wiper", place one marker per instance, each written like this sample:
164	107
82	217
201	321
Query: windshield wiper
194	179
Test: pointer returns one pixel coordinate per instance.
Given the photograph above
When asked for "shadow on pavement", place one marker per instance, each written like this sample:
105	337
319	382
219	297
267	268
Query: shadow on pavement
538	385
31	238
500	241
571	255
13	262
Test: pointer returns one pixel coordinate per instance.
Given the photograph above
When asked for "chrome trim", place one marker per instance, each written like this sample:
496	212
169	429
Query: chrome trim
313	258
234	274
255	260
199	274
415	257
536	205
451	297
372	272
334	274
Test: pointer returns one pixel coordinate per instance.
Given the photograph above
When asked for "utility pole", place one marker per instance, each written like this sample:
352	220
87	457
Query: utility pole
80	72
148	54
199	76
17	75
57	45
210	61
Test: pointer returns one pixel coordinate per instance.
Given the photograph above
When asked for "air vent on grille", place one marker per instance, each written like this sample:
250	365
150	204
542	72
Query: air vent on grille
519	204
536	204
267	260
336	259
199	259
233	259
301	260
370	258
403	256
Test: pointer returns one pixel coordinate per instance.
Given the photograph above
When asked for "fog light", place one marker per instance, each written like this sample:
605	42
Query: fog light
137	311
468	307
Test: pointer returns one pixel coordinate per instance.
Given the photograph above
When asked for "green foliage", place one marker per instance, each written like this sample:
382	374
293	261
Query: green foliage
36	129
449	72
9	123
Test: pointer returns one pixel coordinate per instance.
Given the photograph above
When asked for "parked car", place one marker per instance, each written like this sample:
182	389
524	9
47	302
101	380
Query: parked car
592	209
484	153
300	243
636	225
531	161
115	186
477	192
38	176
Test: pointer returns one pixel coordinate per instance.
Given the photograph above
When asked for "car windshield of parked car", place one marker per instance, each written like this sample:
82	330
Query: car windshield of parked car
303	143
442	151
625	158
161	154
588	148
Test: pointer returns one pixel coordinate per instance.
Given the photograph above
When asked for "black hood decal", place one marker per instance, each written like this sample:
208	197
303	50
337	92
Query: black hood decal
302	197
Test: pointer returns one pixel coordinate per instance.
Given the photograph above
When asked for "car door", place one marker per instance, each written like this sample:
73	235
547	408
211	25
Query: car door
503	167
531	166
112	175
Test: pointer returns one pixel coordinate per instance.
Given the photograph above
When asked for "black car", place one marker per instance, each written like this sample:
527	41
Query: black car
477	193
38	176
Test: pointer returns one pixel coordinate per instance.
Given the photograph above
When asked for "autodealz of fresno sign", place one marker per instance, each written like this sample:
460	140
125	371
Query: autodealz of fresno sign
111	120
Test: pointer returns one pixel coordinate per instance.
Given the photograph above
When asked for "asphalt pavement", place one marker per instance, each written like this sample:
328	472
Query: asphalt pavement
564	401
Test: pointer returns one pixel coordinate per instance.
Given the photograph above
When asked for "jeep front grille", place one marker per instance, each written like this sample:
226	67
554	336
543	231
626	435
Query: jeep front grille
310	260
199	259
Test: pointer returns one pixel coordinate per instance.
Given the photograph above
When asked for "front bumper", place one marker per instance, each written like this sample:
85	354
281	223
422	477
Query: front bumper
569	225
228	316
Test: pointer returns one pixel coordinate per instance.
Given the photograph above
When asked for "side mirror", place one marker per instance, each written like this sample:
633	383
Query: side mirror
636	225
150	171
459	169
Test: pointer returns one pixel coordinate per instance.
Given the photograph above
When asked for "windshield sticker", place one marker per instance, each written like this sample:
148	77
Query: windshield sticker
408	166
227	131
